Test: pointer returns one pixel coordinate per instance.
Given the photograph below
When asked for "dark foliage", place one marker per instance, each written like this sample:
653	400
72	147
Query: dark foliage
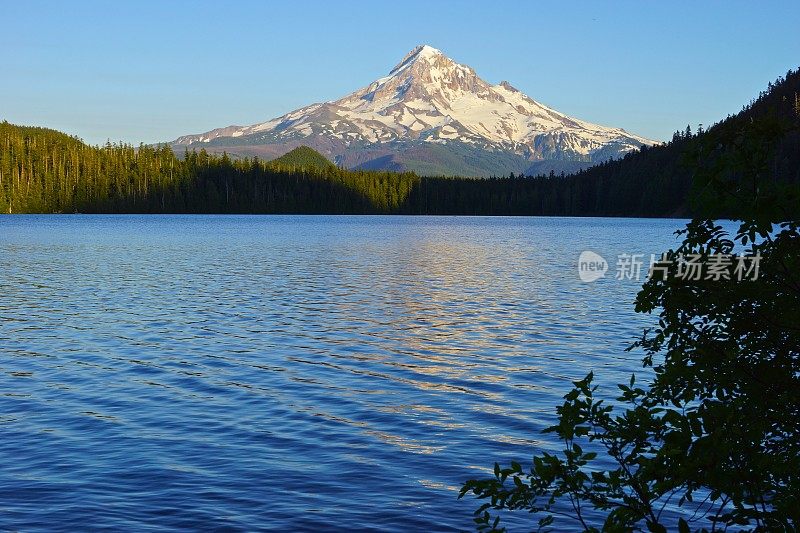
713	441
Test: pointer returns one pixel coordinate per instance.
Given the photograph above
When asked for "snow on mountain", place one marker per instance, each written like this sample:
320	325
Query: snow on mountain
429	98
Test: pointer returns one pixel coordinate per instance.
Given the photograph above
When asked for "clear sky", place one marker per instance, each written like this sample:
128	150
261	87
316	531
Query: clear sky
151	71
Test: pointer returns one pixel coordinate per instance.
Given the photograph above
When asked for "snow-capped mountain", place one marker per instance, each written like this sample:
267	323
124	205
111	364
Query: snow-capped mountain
429	113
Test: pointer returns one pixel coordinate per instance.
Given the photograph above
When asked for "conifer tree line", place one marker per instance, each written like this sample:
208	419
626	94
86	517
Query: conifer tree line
45	171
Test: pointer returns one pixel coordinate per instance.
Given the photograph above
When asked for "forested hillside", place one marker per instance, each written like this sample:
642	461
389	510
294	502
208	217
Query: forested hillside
303	157
44	171
654	181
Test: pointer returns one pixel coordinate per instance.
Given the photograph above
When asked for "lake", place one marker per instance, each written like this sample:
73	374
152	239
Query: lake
294	372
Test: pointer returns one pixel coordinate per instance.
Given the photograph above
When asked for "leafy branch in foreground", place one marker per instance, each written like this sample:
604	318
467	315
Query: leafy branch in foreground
713	441
633	491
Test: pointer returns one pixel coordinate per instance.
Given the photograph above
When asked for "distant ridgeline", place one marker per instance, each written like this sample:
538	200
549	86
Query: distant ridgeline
44	171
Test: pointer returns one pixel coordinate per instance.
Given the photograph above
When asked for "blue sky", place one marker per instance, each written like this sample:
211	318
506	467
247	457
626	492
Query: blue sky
151	71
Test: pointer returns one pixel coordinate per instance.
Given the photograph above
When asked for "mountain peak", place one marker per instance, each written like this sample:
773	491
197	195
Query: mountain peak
422	51
424	74
428	99
426	50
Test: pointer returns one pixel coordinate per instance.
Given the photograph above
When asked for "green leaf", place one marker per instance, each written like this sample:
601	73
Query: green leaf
655	527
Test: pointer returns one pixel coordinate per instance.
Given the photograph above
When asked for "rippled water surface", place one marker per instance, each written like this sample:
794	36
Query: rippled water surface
241	373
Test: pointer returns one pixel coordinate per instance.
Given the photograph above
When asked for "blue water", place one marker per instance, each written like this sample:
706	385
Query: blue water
280	372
